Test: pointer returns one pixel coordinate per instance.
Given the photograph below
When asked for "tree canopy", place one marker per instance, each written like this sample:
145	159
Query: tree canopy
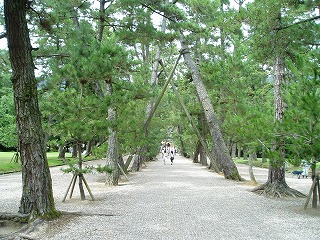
82	46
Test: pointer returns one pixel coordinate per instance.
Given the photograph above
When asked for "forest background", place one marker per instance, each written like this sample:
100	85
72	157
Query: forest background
102	65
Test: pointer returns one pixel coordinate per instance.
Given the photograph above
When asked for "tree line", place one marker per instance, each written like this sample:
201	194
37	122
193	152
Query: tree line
121	76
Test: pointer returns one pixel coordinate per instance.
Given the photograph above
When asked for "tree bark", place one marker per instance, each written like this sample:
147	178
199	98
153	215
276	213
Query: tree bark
37	197
82	195
276	185
141	157
252	157
62	152
195	158
75	150
223	158
112	151
183	150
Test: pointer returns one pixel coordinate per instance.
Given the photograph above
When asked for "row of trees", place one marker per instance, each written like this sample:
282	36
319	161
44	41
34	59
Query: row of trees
247	77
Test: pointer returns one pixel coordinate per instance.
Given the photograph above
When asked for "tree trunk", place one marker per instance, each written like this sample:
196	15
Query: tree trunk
264	159
75	150
239	151
82	195
203	157
37	197
141	152
276	185
203	128
252	157
136	161
195	158
112	151
183	150
89	146
223	158
234	150
62	152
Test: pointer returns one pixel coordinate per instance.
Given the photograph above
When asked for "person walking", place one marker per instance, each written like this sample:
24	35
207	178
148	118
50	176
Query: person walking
164	155
305	168
171	156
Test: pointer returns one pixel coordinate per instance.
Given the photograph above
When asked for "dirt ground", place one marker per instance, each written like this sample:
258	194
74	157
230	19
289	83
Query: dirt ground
164	201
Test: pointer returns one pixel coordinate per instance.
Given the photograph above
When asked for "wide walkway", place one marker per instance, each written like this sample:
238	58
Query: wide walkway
171	202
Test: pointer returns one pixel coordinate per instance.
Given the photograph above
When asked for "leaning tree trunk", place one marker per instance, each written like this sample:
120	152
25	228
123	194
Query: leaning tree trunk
37	198
183	150
141	152
195	157
202	152
112	151
276	185
223	158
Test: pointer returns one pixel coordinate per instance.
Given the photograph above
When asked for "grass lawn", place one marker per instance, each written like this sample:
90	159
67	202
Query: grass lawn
259	163
7	163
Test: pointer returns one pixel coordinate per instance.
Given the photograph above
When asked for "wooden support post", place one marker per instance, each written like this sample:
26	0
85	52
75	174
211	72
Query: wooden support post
65	196
122	171
73	184
313	189
126	166
87	186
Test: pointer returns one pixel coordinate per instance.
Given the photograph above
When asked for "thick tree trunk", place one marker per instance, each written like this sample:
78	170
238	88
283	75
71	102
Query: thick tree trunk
37	198
223	158
195	158
203	128
112	151
75	150
234	150
203	157
62	152
276	185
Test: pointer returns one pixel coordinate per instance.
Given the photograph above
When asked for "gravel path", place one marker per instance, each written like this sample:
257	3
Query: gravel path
179	201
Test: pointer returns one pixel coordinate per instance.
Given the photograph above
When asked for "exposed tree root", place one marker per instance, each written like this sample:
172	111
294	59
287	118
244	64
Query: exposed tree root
277	190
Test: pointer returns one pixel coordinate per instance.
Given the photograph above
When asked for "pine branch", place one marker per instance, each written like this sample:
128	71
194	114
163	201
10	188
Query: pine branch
297	23
3	35
159	13
53	55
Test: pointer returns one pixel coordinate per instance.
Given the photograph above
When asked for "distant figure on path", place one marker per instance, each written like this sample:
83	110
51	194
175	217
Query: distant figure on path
171	156
164	155
305	168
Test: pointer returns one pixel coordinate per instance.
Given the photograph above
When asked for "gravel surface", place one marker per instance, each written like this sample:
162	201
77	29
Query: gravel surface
179	201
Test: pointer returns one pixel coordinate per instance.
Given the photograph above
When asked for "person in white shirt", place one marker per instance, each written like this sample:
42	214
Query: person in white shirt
164	155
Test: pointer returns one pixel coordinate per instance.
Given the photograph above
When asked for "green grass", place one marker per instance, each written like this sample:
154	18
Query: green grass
8	165
259	163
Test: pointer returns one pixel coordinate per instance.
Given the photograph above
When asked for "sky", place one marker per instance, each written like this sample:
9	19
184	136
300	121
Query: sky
3	41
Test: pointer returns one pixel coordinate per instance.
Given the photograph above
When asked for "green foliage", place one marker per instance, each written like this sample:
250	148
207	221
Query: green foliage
7	163
235	66
104	169
303	119
74	169
8	132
